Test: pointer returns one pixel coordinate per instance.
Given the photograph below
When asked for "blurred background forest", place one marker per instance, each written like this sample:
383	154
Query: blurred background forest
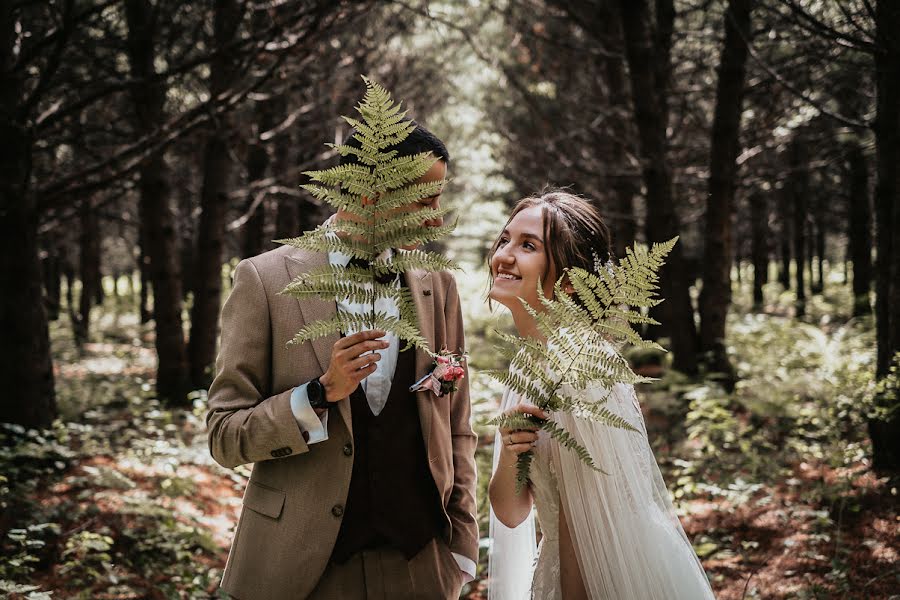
147	145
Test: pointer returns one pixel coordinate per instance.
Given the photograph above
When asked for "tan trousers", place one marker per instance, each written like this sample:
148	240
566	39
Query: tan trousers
385	574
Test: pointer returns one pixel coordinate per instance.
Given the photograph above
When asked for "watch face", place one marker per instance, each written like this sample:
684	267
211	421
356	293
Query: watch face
316	393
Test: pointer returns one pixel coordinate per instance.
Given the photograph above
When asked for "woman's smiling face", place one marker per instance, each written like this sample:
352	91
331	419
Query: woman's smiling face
520	261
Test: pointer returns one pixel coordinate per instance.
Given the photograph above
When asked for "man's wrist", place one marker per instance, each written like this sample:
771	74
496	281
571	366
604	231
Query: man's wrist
328	388
316	393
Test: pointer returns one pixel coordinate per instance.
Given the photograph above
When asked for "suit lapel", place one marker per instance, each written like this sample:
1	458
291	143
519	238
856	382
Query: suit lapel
420	282
316	309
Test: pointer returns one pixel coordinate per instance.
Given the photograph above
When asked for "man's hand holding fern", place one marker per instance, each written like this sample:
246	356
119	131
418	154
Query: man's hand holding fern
353	358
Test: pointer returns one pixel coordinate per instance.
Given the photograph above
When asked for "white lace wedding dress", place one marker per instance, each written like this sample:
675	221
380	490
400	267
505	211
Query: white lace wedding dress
627	537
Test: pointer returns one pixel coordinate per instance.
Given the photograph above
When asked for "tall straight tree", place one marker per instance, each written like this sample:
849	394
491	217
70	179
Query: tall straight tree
715	295
648	52
26	368
798	192
759	248
157	220
207	275
885	433
859	231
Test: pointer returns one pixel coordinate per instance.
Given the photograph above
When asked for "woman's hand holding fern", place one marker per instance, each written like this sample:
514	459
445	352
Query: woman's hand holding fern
523	438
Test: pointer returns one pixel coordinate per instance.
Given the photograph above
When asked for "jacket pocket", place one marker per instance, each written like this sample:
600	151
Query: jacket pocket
264	500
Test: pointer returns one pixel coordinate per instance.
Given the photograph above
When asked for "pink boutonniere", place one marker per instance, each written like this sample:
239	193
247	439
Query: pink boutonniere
447	371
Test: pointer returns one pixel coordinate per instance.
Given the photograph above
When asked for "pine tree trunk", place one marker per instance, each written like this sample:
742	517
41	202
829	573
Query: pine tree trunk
785	236
50	270
144	270
254	228
859	231
819	217
648	66
214	203
759	249
89	269
885	434
293	215
715	295
625	188
797	186
172	382
26	367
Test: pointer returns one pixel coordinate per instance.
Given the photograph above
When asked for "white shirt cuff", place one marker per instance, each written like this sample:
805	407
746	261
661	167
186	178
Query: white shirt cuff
466	565
307	419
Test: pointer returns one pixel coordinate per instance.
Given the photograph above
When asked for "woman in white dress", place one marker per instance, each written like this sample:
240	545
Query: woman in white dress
610	536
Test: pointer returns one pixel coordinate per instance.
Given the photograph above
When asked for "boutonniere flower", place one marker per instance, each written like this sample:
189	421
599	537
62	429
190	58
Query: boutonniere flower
447	371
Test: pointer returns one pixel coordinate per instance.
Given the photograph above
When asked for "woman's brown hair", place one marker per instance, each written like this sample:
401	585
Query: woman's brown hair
574	232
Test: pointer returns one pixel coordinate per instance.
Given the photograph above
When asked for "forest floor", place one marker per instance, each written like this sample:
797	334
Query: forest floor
122	501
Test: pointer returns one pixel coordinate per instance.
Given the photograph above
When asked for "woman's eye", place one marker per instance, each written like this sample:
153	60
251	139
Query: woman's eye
528	245
502	242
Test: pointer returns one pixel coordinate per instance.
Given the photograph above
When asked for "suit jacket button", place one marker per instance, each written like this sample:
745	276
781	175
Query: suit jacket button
337	510
348	449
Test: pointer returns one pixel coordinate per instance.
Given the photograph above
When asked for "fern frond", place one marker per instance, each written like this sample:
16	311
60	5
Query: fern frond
408	260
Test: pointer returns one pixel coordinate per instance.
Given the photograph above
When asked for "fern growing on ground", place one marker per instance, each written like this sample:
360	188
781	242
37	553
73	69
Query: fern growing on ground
583	331
375	193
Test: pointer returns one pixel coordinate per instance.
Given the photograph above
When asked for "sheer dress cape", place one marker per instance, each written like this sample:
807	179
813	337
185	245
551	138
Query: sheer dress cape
628	540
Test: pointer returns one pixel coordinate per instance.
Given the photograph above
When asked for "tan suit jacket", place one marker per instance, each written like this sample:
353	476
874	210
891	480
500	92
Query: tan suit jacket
294	501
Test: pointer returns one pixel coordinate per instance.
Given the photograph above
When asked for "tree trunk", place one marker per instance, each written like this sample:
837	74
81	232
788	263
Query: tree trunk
648	75
254	228
26	367
715	295
784	219
293	214
759	249
214	204
859	231
885	433
257	169
819	217
89	269
144	271
625	188
797	192
172	382
50	271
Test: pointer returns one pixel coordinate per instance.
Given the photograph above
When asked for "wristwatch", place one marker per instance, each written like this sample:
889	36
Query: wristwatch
315	391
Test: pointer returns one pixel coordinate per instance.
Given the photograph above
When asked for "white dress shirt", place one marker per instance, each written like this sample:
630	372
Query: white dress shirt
377	385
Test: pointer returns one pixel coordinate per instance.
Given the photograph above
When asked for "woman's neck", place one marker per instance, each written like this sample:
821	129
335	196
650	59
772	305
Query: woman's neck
526	325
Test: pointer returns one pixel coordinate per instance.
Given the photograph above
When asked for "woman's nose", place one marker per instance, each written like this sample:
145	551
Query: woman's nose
503	255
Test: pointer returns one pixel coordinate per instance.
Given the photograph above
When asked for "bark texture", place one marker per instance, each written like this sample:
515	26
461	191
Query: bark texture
649	65
715	295
26	366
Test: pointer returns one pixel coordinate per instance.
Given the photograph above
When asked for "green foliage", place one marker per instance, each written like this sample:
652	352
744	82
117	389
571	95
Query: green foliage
885	404
87	557
375	195
582	332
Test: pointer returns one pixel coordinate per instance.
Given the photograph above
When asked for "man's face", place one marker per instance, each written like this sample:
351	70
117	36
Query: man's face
437	172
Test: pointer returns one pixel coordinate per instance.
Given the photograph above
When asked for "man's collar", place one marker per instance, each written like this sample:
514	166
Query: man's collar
341	259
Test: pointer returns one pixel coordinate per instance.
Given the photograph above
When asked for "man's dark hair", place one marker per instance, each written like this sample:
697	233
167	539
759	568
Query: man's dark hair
419	140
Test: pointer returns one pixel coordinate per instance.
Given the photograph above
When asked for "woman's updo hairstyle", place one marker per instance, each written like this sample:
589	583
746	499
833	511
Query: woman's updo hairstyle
574	232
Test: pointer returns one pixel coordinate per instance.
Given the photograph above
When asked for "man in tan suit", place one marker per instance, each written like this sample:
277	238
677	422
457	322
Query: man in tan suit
360	488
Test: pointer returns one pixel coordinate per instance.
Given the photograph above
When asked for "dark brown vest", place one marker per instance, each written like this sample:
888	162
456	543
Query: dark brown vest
393	500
